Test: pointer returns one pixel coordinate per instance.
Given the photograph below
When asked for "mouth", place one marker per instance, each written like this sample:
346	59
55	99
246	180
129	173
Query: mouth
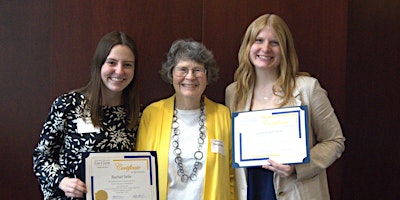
263	57
189	85
115	79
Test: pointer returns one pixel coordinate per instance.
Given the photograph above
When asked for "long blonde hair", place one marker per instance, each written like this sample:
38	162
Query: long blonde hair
288	67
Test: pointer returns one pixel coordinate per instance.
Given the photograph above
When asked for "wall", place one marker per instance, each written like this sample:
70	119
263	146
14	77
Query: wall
46	48
24	92
372	101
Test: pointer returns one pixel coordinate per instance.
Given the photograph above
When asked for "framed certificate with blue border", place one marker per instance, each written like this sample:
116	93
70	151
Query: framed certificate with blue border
278	134
121	175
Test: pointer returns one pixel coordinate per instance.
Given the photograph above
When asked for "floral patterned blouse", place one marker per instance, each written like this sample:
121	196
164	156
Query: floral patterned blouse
62	143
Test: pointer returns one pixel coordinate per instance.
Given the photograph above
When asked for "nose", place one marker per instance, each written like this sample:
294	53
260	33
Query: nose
265	47
190	74
119	68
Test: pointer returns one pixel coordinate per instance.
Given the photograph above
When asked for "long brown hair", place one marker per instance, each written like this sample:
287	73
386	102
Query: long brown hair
288	68
93	88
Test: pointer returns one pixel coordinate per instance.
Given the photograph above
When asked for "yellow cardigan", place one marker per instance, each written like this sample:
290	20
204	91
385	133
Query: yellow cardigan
155	134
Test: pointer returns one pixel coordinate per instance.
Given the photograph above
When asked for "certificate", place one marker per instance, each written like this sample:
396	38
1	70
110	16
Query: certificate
122	176
277	134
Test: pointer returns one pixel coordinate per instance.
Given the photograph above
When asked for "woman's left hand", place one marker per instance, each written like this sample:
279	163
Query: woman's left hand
73	187
281	170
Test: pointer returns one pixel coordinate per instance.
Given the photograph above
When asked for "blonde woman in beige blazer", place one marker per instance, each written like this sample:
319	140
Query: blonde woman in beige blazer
268	77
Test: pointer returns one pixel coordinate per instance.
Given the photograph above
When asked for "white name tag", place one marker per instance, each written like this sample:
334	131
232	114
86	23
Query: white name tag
86	126
217	146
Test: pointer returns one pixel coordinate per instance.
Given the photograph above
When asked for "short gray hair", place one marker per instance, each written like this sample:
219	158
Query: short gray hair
188	49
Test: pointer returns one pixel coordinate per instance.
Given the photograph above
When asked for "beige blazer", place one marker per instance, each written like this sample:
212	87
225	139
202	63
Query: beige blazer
326	143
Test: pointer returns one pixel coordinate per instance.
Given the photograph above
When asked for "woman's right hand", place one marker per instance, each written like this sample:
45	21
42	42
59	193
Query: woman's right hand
73	187
280	169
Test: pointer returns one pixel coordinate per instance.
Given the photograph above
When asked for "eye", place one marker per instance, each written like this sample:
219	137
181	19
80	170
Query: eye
182	69
258	40
274	43
110	62
128	65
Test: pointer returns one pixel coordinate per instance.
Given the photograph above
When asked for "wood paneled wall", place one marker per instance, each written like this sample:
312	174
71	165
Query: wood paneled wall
373	101
46	48
24	92
153	24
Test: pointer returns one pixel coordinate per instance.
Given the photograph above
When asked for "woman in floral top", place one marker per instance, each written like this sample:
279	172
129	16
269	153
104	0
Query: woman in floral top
100	117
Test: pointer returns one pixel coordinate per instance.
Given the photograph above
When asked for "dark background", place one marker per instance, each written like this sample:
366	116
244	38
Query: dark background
352	47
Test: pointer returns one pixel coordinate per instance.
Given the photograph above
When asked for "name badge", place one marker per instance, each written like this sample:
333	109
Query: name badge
86	126
217	146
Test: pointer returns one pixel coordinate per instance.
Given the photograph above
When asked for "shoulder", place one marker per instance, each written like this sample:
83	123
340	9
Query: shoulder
68	103
159	105
309	88
307	83
70	98
231	87
230	92
212	105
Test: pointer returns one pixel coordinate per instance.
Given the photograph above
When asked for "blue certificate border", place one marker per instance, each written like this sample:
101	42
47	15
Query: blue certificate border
149	158
235	114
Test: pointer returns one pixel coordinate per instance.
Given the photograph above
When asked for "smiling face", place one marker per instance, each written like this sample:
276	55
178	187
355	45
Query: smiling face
118	70
191	85
265	52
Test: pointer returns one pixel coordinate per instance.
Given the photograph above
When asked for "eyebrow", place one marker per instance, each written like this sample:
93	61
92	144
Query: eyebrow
117	60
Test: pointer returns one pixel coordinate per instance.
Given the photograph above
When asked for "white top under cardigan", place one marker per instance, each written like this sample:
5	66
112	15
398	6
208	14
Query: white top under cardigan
188	142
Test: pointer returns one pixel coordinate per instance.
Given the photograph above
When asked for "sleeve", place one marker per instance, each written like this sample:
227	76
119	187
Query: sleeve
46	155
229	96
151	138
156	120
141	142
231	169
328	137
238	175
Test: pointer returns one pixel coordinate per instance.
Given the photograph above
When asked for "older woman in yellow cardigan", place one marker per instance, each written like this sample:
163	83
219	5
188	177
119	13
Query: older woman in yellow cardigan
190	133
